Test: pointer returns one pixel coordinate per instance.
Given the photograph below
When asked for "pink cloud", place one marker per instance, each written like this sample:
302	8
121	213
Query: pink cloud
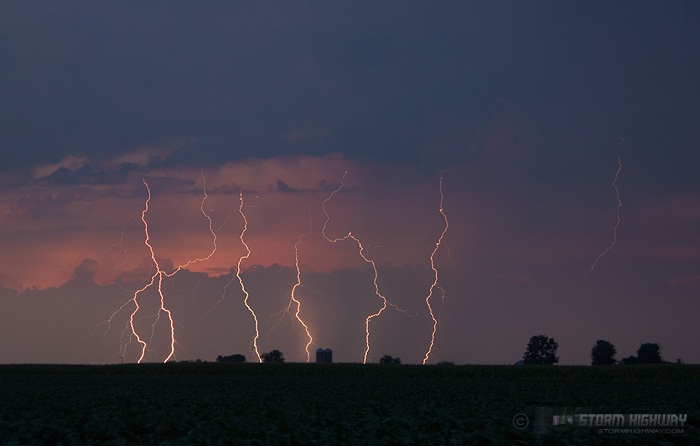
391	207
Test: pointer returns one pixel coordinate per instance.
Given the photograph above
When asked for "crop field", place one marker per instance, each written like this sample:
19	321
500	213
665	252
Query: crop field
327	404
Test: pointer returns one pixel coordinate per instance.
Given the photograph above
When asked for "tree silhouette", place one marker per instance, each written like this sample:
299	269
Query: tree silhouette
388	359
273	356
603	353
233	358
649	354
541	350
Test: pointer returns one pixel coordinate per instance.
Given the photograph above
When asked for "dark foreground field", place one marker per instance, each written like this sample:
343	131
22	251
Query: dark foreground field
209	403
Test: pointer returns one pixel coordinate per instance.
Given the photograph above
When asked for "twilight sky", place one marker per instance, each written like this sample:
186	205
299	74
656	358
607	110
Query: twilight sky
526	110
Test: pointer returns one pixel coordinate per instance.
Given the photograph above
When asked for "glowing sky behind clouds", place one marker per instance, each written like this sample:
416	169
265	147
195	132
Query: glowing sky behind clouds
528	106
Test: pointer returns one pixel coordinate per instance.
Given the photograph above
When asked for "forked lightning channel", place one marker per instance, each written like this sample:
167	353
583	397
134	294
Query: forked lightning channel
294	300
157	281
132	331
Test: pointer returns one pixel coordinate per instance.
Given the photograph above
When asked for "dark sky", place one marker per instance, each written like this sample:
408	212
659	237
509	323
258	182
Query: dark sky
528	108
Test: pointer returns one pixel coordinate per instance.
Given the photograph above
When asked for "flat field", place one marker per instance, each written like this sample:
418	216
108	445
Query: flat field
328	404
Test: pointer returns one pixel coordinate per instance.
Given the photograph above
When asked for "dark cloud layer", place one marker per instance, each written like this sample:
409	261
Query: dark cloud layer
384	80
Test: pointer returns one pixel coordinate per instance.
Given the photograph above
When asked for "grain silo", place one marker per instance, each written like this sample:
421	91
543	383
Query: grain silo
324	356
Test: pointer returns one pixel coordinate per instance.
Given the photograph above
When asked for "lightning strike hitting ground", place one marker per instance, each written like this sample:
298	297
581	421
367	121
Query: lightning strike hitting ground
237	276
435	272
131	330
157	280
361	250
293	301
240	279
619	205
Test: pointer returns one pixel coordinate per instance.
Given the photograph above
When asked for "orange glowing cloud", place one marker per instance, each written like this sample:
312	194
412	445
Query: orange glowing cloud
55	226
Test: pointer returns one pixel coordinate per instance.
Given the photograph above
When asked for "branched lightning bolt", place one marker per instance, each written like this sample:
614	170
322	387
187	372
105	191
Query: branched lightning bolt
293	299
619	205
238	277
361	249
157	278
435	271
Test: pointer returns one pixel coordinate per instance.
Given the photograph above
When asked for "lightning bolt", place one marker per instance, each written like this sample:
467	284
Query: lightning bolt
156	278
435	271
361	250
157	281
296	301
293	301
240	278
619	205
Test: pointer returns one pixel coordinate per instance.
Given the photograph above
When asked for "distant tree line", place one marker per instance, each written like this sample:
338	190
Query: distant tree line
272	356
388	359
232	358
603	353
540	349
